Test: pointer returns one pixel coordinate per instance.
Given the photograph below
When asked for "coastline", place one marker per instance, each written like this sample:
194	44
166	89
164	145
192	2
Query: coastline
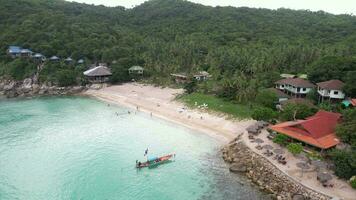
161	103
164	106
243	160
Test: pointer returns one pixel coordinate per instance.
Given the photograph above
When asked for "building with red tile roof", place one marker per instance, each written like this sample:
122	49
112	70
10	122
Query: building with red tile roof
317	130
353	102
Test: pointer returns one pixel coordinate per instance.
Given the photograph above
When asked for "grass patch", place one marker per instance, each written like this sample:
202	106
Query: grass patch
239	111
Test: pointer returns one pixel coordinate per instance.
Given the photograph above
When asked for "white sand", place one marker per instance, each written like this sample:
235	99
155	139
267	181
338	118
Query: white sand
160	102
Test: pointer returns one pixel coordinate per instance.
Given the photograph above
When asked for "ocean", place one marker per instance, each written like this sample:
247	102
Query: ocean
81	148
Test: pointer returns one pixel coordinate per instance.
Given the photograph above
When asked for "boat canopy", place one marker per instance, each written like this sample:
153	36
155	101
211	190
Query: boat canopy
152	158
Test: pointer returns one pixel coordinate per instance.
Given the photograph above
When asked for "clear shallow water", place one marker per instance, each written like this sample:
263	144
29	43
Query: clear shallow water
77	148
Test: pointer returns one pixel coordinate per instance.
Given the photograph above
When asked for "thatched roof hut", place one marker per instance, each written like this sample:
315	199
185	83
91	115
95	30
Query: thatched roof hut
99	74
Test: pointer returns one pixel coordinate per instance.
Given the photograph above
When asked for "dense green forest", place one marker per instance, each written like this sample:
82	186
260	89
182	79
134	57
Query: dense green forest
245	49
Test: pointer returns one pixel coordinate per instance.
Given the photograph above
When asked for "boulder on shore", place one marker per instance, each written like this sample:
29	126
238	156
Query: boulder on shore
238	168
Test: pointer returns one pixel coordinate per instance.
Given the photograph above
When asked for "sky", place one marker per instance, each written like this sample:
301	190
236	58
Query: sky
331	6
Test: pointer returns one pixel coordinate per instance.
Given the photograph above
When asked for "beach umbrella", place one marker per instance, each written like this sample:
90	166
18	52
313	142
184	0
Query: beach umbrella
319	164
323	177
278	151
303	166
267	146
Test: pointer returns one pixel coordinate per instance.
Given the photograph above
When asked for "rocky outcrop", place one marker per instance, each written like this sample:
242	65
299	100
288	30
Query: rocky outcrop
31	87
265	174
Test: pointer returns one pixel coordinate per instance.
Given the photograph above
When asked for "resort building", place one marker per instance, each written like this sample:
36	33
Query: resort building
14	51
280	95
54	59
136	70
99	74
39	57
295	87
68	60
180	78
317	130
331	90
202	76
26	53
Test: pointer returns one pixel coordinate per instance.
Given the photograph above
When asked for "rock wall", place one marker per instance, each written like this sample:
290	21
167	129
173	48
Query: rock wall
30	87
265	174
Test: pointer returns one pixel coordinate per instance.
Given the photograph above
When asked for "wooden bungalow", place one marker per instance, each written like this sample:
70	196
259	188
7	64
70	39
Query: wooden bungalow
99	74
180	78
136	70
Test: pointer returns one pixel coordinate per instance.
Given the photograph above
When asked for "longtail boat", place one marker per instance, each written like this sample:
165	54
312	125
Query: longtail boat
154	161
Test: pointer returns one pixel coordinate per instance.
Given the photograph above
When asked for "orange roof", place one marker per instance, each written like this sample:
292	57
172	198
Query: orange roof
317	130
353	102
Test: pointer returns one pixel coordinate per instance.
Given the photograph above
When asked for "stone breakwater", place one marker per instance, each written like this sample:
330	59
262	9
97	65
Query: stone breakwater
267	176
28	87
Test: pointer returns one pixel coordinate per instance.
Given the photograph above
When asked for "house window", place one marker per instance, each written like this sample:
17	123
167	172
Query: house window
336	92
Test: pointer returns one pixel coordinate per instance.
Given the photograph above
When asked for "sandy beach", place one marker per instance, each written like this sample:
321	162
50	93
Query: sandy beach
161	103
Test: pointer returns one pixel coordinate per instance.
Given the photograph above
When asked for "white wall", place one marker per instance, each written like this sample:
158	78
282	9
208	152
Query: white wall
295	90
331	93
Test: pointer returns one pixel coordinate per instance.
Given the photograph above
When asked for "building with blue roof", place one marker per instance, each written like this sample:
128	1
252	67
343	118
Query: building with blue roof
14	51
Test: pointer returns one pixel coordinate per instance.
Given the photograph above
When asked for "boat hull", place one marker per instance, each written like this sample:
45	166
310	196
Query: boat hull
155	163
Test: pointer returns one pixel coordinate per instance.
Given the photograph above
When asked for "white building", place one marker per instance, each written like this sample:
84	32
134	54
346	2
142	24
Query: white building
331	90
296	87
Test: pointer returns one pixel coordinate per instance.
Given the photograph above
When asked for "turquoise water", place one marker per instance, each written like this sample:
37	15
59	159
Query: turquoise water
78	148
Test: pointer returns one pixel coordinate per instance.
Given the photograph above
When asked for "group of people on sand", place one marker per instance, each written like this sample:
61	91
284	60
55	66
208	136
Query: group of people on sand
129	112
